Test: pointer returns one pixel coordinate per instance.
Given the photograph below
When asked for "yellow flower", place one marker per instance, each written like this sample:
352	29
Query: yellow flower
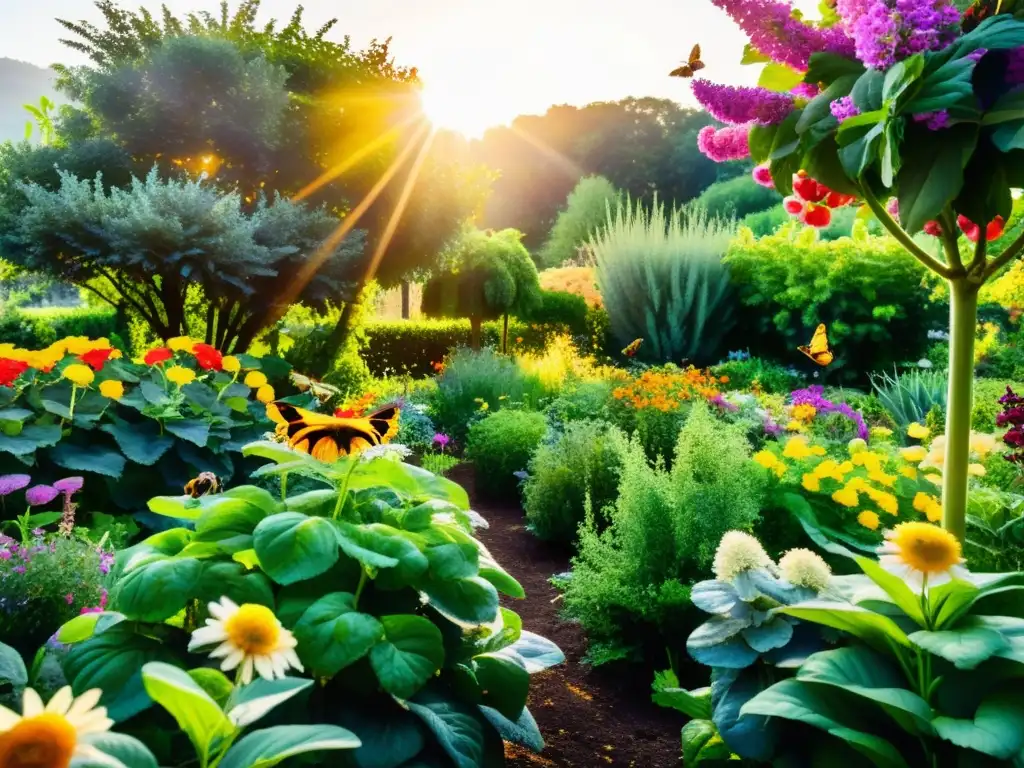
265	394
869	460
880	477
918	431
846	496
829	468
922	500
934	479
255	379
112	389
914	453
933	511
796	448
79	375
811	483
817	450
882	432
79	345
977	470
857	484
231	364
794	426
922	554
804	412
869	520
885	501
180	375
180	344
909	472
982	444
51	735
116	354
766	458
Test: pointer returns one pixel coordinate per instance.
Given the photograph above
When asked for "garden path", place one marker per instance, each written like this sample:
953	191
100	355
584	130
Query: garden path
589	717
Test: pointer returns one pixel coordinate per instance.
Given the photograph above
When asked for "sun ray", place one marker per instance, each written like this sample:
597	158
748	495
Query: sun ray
571	168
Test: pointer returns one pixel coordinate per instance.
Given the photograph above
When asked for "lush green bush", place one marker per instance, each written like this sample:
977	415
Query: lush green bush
560	309
580	463
757	373
586	210
870	293
737	197
38	328
910	395
500	445
579	401
628	586
663	280
768	222
986	401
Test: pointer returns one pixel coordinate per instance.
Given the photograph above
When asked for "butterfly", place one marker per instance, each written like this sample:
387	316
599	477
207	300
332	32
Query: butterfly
632	348
204	484
327	437
322	392
818	350
690	68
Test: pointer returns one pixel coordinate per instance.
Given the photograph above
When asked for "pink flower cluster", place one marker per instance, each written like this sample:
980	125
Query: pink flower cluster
738	105
722	144
887	31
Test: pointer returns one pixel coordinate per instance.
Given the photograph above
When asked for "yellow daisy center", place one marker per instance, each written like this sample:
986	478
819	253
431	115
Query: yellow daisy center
44	741
925	547
253	629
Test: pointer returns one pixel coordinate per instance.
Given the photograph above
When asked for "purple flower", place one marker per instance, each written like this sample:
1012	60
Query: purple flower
934	121
806	90
740	105
774	31
1015	67
887	31
38	532
106	560
69	485
38	495
843	109
69	598
722	144
812	395
4	554
442	439
19	569
11	483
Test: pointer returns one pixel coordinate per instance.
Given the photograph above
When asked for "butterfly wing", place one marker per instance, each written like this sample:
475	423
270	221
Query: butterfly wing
695	55
818	350
326	437
684	71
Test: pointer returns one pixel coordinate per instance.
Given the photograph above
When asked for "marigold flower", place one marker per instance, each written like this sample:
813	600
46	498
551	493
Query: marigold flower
181	344
914	453
796	448
79	345
803	412
265	394
922	554
811	483
982	444
739	552
723	379
977	470
918	431
869	520
10	370
885	501
180	375
158	355
846	496
231	364
804	568
908	472
255	379
880	477
79	375
934	479
207	357
112	389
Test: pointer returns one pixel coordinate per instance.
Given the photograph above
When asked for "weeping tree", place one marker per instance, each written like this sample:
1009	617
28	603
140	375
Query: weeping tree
663	280
485	275
160	244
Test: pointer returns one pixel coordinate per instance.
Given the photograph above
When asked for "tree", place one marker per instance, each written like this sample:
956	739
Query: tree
487	275
160	243
586	210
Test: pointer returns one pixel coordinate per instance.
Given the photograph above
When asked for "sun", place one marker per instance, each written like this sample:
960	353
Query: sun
455	110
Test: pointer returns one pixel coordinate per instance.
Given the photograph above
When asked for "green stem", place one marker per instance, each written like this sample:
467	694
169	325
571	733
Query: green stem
344	489
71	406
359	589
963	321
284	487
901	234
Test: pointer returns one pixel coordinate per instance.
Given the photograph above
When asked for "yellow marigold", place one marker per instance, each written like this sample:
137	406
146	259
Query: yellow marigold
885	501
914	453
909	472
846	496
977	470
934	479
255	379
803	412
881	432
933	511
817	450
112	389
829	468
922	500
116	354
180	344
982	444
857	484
811	483
796	448
180	375
231	364
869	520
918	431
265	394
79	375
869	460
880	477
795	426
79	345
766	459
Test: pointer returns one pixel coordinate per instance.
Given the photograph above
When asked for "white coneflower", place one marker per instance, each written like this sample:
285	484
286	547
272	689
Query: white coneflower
804	568
922	554
738	552
249	636
51	735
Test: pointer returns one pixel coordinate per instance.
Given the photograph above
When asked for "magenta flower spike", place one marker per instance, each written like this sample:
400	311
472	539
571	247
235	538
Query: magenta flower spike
740	105
69	485
11	483
38	495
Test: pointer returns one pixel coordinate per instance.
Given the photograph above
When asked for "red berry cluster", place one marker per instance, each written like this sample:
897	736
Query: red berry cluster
993	230
812	202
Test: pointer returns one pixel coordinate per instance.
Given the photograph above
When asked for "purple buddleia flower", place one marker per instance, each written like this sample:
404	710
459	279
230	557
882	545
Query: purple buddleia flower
812	395
38	495
843	109
887	31
739	105
723	144
806	90
934	121
11	483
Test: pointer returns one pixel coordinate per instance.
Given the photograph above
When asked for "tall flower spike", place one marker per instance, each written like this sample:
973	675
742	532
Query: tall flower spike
738	105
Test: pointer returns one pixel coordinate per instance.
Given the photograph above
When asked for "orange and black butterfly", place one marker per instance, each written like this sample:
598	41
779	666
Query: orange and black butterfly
206	483
818	350
691	67
328	437
632	348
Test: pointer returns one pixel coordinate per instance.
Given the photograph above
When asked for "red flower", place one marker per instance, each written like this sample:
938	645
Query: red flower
818	216
808	189
794	205
96	358
158	355
932	228
209	359
346	413
993	231
10	370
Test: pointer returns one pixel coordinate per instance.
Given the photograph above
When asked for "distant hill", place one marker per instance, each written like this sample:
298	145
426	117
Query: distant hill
21	83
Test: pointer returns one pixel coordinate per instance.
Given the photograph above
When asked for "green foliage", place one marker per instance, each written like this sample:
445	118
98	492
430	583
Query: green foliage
560	310
736	198
756	372
662	279
392	601
870	293
768	222
578	464
910	395
585	211
500	445
579	401
629	585
38	328
986	402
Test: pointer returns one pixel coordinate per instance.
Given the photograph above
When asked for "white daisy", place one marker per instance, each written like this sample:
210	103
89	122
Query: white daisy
249	636
922	554
52	735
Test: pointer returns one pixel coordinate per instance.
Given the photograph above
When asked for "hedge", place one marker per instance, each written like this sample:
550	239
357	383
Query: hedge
38	328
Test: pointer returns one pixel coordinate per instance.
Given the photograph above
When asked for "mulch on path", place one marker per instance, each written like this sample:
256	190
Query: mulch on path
589	717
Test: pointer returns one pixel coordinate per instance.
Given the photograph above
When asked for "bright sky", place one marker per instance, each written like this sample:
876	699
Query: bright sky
482	61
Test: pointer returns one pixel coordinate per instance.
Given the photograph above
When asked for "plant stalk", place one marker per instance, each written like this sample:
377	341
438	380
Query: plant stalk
963	321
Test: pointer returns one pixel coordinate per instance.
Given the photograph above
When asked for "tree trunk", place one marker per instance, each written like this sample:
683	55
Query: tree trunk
504	335
963	322
405	299
475	324
335	343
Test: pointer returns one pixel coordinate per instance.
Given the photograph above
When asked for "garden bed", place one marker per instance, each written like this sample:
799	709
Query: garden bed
588	716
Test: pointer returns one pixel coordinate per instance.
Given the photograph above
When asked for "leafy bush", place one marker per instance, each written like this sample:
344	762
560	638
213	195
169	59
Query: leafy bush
986	402
501	445
579	401
768	222
736	197
582	463
377	575
560	308
758	373
910	395
868	290
38	328
629	582
579	280
663	280
586	210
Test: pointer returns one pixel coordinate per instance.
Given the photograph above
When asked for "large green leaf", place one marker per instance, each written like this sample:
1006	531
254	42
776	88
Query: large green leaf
504	681
933	172
12	668
717	642
779	77
468	602
491	571
86	625
332	634
1009	136
157	590
1008	108
231	518
535	652
456	727
196	431
522	731
253	702
859	146
365	546
292	547
391	735
232	579
453	561
270	746
945	84
196	713
900	78
410	654
908	601
874	628
409	481
128	751
92	458
667	693
385	541
830	67
761	139
701	743
966	647
996	727
142	443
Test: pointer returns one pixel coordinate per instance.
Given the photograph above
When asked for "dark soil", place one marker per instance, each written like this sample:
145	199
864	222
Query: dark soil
589	717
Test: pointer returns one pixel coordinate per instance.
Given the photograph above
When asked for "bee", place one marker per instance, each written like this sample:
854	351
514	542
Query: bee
691	67
204	485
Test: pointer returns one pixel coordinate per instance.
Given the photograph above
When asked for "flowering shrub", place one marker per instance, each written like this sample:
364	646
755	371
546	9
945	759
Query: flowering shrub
155	422
577	280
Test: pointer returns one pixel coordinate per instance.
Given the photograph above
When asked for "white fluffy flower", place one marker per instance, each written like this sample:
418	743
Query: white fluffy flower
391	451
804	568
738	552
52	734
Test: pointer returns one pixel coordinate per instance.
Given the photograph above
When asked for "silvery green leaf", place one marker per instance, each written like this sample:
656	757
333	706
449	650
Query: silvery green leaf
714	596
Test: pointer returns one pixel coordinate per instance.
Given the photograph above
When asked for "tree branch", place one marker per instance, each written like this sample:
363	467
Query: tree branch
950	241
901	234
1012	251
